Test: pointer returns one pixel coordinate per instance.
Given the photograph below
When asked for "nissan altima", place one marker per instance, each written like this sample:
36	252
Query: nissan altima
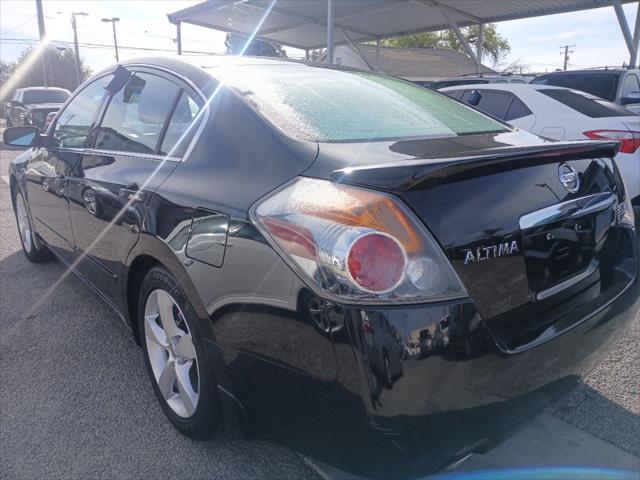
282	238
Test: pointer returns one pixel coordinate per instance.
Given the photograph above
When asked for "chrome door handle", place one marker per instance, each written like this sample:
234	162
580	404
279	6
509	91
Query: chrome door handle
61	180
132	195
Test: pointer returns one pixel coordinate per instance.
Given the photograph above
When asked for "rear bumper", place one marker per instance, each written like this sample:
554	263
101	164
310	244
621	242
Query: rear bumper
405	391
458	391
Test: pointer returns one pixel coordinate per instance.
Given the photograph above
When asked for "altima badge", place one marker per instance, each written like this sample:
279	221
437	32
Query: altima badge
480	254
569	177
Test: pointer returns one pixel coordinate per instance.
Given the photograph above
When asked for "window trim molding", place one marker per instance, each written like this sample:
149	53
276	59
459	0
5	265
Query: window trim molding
114	153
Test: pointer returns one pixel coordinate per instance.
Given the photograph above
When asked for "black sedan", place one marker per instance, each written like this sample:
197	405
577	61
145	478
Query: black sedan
32	105
282	239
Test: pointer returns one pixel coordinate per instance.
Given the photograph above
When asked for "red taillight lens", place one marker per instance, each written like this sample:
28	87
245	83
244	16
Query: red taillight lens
376	262
629	141
355	244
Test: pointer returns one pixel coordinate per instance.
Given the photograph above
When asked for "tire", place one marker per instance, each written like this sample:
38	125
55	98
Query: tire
177	356
32	246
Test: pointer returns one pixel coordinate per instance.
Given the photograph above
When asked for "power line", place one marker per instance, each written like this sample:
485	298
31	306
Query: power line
21	25
29	41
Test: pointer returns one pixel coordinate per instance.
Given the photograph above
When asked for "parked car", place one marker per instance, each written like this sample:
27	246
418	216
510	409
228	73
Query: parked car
386	200
563	114
486	78
618	85
30	106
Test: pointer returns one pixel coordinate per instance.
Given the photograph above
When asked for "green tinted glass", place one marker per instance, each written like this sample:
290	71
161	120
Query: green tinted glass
321	104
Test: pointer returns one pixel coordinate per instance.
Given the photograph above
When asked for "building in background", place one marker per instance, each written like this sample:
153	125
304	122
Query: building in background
422	65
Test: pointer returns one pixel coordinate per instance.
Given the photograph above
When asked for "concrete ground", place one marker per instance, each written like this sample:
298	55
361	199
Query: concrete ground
75	401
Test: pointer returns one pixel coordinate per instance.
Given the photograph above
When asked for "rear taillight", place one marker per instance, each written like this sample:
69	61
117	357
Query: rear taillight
356	245
629	141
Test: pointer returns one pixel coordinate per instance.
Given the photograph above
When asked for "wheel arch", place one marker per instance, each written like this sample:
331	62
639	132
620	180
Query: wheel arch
13	188
150	251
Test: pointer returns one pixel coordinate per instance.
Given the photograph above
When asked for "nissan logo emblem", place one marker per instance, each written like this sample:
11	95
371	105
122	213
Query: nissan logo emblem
569	177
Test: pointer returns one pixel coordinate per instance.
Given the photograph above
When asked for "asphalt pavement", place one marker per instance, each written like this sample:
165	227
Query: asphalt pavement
75	400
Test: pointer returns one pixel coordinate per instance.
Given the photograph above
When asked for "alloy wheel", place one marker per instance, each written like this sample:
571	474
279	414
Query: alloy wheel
172	353
89	199
24	227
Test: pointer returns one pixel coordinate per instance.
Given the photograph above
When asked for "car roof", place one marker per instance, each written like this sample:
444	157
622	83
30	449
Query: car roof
513	87
58	89
591	71
201	69
487	76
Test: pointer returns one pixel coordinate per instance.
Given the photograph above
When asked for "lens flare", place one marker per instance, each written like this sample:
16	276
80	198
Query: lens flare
203	114
25	66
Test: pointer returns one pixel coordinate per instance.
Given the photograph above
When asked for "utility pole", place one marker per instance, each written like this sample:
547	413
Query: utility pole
566	54
75	43
115	40
43	54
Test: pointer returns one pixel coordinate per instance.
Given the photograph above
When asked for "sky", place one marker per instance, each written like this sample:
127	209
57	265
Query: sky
143	24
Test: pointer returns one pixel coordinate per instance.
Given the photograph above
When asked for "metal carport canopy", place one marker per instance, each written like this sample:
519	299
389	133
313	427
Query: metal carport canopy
312	24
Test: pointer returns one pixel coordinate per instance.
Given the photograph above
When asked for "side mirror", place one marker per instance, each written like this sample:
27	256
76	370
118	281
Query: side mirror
632	97
15	103
20	136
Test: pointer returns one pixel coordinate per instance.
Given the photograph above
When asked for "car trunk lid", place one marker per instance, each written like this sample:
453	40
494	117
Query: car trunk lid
521	225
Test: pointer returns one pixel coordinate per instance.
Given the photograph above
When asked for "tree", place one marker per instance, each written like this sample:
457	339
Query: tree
62	66
495	46
236	45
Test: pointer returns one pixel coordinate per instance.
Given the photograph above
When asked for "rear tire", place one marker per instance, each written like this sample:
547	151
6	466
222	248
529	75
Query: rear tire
387	375
177	357
33	248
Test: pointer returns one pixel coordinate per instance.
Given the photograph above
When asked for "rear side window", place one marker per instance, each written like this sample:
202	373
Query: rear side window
327	105
603	85
491	102
72	127
586	104
136	115
45	96
517	110
455	94
630	84
181	127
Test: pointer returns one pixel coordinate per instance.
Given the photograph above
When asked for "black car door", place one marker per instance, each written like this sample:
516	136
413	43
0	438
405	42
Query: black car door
132	154
50	168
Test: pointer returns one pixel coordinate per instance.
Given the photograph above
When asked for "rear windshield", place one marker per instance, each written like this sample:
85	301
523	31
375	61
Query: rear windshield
45	96
588	105
455	83
603	85
326	105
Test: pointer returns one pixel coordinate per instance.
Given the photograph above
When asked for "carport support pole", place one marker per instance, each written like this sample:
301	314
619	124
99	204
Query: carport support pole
632	43
479	46
459	35
636	38
378	66
330	20
179	37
